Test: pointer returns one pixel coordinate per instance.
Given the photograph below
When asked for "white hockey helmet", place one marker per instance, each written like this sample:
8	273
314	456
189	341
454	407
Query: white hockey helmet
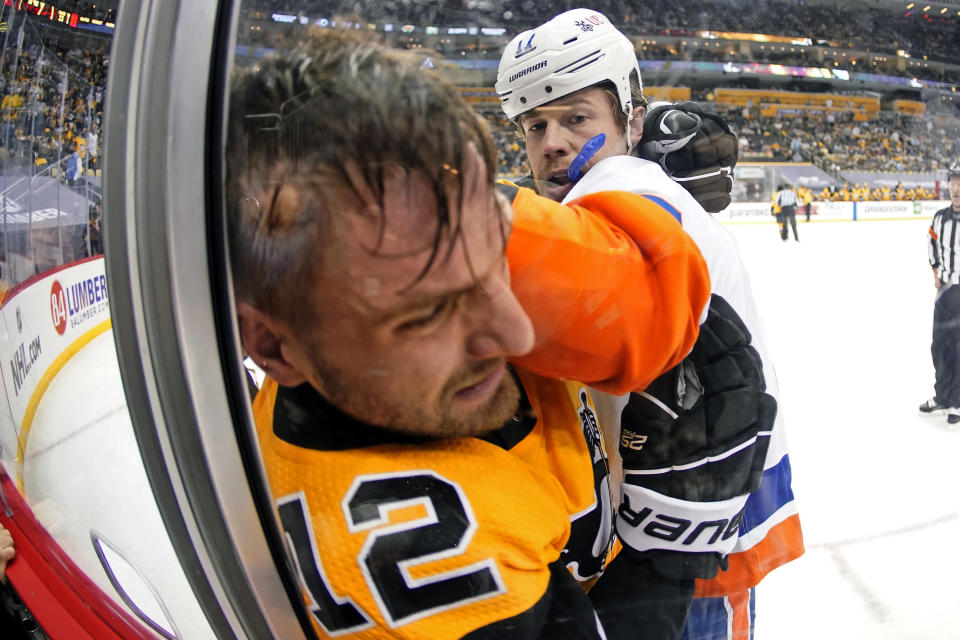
574	50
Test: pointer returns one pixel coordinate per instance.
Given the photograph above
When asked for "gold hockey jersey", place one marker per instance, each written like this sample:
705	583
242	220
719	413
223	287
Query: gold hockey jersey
405	537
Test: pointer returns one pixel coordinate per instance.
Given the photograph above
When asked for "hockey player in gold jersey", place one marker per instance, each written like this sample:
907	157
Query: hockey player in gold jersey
436	470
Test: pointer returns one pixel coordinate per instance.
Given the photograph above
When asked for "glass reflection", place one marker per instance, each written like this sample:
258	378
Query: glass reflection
134	588
70	461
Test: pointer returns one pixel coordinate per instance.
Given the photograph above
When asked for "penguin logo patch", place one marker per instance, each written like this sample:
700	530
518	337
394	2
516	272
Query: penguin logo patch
591	431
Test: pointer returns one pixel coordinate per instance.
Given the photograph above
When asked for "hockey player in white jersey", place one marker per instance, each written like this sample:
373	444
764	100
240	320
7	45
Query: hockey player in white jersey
573	87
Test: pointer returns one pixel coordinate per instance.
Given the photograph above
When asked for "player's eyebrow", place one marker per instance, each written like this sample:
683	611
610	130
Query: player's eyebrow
414	300
560	103
413	303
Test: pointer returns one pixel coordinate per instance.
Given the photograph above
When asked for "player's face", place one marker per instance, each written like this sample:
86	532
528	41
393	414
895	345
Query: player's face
557	131
430	357
953	186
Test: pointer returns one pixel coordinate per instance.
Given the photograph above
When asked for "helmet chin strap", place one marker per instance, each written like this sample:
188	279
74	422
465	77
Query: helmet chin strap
630	119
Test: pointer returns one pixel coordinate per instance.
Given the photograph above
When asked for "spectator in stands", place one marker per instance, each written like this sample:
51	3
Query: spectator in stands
93	231
92	141
876	29
12	102
74	167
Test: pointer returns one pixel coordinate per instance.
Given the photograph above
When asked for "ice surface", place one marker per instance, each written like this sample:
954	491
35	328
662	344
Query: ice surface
82	472
848	314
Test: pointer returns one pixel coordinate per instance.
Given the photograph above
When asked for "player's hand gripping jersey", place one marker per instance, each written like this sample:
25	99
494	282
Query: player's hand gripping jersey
769	531
405	537
695	147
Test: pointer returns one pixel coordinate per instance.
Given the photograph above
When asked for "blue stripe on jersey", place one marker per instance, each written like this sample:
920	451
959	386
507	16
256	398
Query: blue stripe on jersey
774	492
663	203
708	619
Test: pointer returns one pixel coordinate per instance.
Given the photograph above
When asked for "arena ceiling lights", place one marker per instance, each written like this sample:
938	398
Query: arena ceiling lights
945	7
943	10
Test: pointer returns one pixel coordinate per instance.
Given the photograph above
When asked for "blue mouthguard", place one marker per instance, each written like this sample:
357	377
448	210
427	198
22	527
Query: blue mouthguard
589	149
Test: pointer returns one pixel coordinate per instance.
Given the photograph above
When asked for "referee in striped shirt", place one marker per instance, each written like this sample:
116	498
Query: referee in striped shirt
786	198
944	252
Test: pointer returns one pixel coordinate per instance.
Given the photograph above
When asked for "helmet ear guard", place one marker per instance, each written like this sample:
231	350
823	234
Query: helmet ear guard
572	51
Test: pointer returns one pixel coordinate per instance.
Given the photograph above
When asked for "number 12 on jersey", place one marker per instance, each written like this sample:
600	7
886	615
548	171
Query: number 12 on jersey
390	550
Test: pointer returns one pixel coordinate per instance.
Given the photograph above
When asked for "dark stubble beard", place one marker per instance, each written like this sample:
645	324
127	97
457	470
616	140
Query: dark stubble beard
412	417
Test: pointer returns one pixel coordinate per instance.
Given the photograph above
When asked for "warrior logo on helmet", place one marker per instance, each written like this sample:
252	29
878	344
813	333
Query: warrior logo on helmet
535	67
524	49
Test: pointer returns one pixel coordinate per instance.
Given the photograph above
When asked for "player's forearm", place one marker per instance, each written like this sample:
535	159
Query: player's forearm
615	288
563	613
636	602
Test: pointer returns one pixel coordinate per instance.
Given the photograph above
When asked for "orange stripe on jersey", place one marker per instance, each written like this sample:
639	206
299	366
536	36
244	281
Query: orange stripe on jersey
614	286
740	608
933	234
783	543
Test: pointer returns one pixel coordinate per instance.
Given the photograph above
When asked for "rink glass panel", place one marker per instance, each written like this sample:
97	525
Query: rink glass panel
74	481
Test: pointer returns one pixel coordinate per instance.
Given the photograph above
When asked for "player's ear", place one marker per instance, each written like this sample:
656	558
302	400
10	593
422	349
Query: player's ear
636	124
264	340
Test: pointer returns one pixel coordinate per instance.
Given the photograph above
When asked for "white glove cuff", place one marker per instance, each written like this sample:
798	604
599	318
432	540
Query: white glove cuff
649	520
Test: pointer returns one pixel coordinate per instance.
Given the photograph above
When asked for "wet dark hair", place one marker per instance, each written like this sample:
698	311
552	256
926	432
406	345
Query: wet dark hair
299	120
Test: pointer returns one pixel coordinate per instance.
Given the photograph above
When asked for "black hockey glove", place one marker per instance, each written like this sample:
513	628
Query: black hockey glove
693	446
695	147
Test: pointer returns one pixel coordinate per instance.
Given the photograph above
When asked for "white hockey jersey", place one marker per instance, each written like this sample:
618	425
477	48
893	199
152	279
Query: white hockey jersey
770	533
